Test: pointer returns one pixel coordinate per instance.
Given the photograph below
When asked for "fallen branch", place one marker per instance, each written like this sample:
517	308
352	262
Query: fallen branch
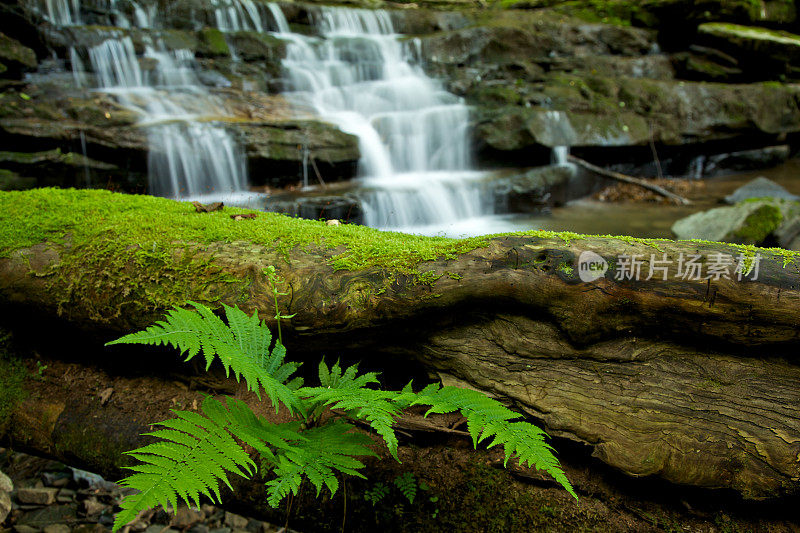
680	200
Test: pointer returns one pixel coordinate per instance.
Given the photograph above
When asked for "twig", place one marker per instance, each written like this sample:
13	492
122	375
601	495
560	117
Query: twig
680	200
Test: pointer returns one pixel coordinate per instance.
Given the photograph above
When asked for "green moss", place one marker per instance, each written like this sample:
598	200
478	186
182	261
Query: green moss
132	249
759	224
214	41
749	32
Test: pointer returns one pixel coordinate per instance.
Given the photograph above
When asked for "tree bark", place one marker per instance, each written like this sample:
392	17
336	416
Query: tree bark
695	381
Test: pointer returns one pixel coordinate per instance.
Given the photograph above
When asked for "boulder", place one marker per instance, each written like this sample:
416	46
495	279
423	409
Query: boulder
747	222
760	187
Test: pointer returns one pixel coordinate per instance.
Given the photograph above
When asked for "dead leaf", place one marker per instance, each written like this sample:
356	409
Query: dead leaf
243	216
105	394
207	208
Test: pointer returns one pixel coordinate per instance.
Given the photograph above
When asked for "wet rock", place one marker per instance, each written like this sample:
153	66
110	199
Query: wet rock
758	158
760	187
763	51
37	496
25	529
235	521
747	222
14	55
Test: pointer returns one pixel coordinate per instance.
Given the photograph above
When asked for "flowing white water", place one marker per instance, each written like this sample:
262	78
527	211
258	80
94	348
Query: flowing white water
188	156
415	156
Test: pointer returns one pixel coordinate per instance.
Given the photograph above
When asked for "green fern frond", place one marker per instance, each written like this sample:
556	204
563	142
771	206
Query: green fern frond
242	347
192	455
488	418
377	407
406	483
237	417
323	452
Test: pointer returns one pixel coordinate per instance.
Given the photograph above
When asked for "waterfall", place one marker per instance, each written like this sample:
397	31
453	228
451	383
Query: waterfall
415	164
188	155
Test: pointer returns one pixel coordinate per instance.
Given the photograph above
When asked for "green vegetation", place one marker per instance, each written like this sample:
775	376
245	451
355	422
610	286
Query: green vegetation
195	451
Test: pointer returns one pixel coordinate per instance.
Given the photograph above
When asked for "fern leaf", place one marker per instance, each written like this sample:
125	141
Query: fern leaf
193	454
488	418
323	452
375	406
241	345
407	485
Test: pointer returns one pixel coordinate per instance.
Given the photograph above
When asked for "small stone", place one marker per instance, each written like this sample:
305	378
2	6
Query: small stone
185	517
92	507
37	496
157	528
138	526
332	223
25	529
65	495
199	528
57	528
208	509
254	526
221	530
240	531
235	521
56	479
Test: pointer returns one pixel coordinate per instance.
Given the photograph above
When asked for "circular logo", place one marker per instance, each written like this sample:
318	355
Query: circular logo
591	266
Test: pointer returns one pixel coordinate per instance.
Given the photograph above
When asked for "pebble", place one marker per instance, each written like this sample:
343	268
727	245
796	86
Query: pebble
92	507
25	529
235	521
57	528
37	496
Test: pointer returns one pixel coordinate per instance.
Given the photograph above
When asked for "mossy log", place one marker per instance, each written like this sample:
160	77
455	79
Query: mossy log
695	381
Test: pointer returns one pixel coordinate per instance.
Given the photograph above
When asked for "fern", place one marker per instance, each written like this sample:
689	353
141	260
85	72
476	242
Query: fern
195	451
193	454
406	483
322	452
346	390
488	418
242	347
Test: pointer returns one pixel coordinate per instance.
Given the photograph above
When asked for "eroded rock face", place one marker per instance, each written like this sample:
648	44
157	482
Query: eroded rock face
555	75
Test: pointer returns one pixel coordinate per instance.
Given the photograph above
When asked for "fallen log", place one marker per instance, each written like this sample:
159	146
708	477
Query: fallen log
624	178
692	380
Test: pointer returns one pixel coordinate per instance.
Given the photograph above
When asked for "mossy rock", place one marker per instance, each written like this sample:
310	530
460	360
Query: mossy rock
212	43
764	53
15	55
748	222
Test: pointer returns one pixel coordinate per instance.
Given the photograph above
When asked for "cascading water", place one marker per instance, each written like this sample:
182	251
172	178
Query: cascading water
415	157
188	157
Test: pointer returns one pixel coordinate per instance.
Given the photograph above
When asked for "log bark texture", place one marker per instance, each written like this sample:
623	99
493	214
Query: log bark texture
695	381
